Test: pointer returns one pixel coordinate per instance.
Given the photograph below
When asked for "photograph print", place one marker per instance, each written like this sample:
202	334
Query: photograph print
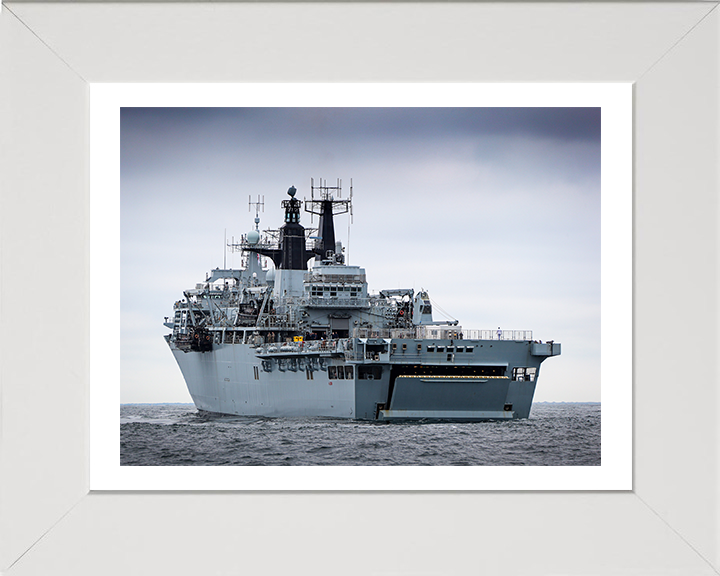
360	286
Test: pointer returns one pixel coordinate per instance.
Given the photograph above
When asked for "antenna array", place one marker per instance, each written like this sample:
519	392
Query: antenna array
325	192
259	205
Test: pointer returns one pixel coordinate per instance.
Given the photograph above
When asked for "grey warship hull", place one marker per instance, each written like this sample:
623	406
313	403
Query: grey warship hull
297	342
368	378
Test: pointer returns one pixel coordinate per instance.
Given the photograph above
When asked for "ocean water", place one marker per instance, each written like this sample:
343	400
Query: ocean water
178	435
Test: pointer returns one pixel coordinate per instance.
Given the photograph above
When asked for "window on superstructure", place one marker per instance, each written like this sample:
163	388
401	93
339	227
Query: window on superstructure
332	372
348	372
522	374
369	372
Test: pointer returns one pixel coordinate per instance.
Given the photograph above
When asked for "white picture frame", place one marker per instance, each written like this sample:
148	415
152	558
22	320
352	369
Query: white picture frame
51	52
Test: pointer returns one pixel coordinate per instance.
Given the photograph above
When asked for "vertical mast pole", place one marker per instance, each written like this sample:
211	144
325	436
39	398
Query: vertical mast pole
347	249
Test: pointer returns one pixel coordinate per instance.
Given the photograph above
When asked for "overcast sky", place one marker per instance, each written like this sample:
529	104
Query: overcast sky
495	211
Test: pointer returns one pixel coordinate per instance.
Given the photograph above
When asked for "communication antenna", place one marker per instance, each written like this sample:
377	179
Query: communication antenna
347	249
259	207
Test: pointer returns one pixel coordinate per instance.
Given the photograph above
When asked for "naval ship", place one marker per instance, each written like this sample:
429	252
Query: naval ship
305	337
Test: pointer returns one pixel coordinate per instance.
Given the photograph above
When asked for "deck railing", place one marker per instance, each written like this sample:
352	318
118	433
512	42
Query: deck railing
497	334
430	332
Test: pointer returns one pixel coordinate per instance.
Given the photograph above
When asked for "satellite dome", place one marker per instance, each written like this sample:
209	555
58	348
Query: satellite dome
253	237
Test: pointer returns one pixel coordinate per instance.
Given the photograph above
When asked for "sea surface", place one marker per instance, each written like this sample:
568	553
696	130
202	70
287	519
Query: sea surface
556	434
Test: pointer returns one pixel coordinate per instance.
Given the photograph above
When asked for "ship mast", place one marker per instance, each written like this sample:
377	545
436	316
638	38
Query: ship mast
291	252
326	205
254	265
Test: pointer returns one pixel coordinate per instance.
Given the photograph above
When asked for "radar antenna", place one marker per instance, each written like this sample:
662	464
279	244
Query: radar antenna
326	205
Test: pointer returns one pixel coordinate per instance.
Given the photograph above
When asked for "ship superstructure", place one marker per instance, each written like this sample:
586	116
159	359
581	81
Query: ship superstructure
305	337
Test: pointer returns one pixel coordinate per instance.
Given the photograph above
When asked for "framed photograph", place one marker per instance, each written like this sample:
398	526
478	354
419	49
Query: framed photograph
60	512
